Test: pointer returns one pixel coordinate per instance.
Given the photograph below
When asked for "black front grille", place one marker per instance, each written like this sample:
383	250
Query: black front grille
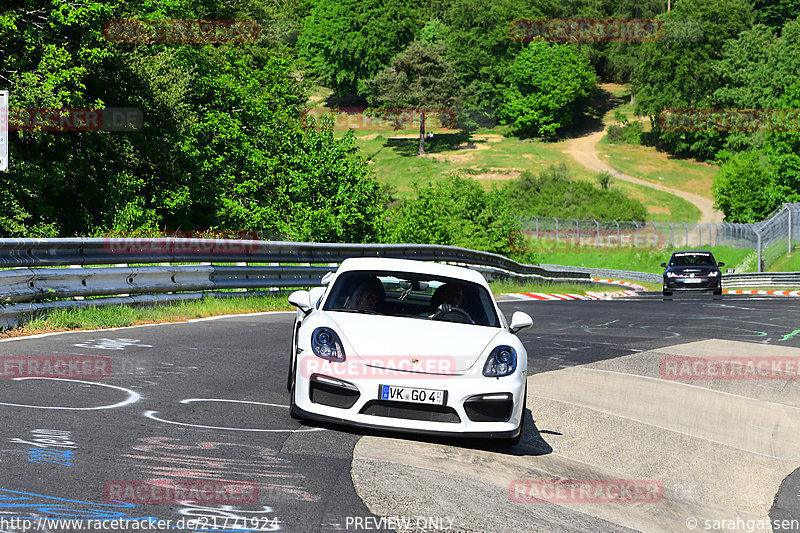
479	410
411	411
332	396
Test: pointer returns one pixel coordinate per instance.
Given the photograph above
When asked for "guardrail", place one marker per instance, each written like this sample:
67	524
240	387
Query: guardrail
32	282
630	275
762	279
34	278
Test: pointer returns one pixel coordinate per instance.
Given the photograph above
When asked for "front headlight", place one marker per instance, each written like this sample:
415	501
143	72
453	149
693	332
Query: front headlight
501	362
672	275
325	343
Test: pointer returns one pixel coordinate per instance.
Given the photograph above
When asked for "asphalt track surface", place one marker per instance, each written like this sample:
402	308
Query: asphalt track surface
206	400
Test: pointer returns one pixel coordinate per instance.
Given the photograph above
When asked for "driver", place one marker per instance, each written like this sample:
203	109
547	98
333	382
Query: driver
367	295
449	293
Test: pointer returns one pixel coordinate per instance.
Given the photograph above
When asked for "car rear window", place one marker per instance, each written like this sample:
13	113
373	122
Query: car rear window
685	259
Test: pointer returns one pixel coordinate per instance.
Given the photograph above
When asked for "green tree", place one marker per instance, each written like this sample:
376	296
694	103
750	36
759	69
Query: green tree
775	13
782	144
745	188
346	42
480	46
547	85
222	145
419	78
678	72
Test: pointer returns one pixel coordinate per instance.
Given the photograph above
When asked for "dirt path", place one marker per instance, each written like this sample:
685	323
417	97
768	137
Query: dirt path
584	151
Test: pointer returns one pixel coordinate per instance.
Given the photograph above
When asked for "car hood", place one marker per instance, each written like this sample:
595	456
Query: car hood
417	345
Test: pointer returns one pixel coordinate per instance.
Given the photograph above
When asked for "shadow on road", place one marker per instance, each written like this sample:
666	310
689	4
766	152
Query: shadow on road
532	442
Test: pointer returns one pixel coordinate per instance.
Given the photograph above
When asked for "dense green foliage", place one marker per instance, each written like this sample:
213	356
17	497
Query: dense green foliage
548	84
737	65
457	212
346	42
552	193
222	143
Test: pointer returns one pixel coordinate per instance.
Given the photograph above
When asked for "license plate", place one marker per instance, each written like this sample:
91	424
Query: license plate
692	280
408	394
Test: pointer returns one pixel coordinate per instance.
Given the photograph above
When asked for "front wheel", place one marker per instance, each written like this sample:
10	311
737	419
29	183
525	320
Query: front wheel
717	292
667	293
292	407
514	441
292	352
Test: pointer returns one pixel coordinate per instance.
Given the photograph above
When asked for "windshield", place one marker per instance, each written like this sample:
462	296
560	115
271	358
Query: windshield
692	259
412	295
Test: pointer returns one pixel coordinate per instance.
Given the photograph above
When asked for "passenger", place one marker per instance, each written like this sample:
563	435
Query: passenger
367	294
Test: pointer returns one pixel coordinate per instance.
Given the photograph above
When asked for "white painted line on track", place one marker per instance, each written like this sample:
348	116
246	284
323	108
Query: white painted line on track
188	321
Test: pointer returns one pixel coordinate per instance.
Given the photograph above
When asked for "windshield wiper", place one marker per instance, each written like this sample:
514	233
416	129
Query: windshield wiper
361	311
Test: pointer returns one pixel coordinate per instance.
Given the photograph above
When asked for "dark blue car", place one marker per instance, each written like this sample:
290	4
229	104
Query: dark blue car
692	271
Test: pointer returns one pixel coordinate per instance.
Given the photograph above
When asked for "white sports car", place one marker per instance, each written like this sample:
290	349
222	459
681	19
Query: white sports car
410	346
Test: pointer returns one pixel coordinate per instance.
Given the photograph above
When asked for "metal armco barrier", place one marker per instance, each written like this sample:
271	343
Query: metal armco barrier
762	279
85	251
31	284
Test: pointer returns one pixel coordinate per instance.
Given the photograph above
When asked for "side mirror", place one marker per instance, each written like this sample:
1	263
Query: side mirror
300	299
720	264
663	265
326	278
520	320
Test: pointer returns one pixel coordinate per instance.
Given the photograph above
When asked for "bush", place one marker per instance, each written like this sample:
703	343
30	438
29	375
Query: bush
554	194
455	211
629	133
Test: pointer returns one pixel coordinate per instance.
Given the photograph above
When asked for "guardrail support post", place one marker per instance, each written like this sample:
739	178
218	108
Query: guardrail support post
597	225
758	246
671	234
655	235
554	218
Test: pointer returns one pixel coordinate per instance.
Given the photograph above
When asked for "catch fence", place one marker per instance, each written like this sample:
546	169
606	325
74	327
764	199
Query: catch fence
770	239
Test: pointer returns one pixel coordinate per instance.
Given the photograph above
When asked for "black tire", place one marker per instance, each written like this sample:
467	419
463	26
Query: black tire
292	375
292	352
514	441
717	292
292	407
667	293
